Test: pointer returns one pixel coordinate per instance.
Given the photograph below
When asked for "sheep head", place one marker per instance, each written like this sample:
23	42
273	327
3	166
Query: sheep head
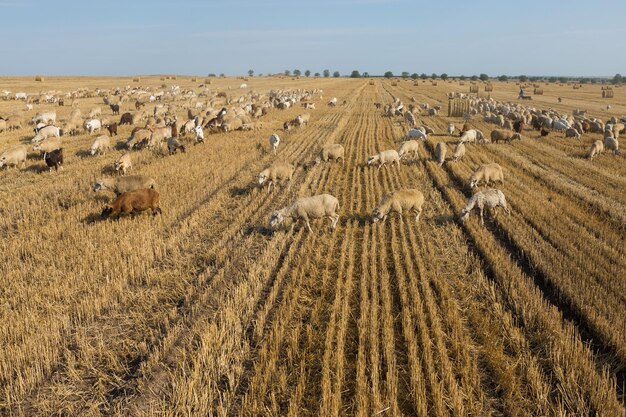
473	182
106	212
277	217
464	214
261	179
98	186
372	159
378	215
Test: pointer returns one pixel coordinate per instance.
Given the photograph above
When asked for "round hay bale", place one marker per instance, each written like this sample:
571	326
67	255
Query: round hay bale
39	78
136	79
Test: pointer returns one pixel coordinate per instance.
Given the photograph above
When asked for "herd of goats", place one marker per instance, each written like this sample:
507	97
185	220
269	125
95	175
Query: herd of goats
214	112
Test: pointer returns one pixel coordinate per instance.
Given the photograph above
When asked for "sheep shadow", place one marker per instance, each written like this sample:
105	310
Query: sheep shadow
120	145
108	170
36	168
102	198
91	218
83	153
444	220
259	230
361	218
242	191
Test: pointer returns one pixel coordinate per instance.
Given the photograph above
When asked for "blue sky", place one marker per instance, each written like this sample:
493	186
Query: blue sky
112	37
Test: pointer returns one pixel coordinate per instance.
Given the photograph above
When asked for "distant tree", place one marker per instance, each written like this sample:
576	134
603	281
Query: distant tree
388	74
474	77
423	76
483	77
211	75
592	80
415	76
317	74
366	74
355	74
307	73
552	79
297	72
251	72
503	78
260	74
326	73
563	80
462	77
336	74
583	80
433	76
222	74
405	74
618	79
444	76
523	78
287	73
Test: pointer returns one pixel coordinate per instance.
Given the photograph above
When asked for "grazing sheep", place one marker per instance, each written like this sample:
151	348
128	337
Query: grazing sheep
459	152
409	147
46	132
48	145
440	152
504	135
399	201
138	138
303	119
158	136
133	202
410	118
100	145
13	156
451	128
14	122
333	151
611	144
278	171
174	145
92	125
385	157
123	164
491	199
487	172
126	119
318	206
115	108
112	128
518	126
94	112
54	159
417	133
572	133
199	134
597	148
47	117
274	142
124	184
432	112
472	135
544	132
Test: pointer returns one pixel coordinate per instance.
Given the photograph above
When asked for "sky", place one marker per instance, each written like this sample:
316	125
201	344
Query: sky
194	37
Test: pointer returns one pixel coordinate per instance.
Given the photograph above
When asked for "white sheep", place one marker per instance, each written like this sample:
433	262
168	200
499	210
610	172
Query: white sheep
409	147
199	134
279	171
274	142
13	156
303	119
46	132
597	148
100	145
459	152
399	201
48	145
487	172
332	102
333	151
491	199
318	206
451	129
440	152
123	164
611	144
410	118
472	135
92	125
385	157
122	185
417	133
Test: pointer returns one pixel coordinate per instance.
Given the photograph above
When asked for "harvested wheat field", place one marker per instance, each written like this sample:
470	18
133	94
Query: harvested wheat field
206	310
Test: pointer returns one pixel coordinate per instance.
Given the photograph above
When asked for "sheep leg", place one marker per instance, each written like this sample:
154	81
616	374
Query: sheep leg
482	220
308	225
334	221
419	213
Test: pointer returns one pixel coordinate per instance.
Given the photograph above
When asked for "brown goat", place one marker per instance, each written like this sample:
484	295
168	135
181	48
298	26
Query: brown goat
133	202
112	128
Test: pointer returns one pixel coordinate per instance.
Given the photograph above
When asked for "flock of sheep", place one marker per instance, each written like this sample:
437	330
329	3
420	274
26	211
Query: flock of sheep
179	112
